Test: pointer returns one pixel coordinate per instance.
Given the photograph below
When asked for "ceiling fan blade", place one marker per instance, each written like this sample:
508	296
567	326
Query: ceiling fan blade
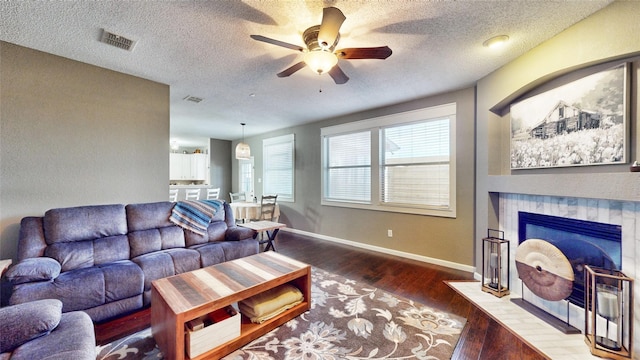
381	53
332	19
292	69
338	75
276	42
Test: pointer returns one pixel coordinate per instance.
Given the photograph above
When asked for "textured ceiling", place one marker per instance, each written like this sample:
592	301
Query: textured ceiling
203	49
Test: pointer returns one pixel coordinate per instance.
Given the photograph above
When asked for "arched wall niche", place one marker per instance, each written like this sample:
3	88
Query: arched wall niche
559	78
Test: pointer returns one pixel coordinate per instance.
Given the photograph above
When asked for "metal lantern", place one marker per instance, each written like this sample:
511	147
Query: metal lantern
495	264
608	313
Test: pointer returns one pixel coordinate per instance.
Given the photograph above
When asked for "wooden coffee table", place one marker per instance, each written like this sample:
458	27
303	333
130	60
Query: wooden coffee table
178	299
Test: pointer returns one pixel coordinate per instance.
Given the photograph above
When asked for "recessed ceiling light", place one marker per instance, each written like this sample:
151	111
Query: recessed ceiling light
496	41
252	95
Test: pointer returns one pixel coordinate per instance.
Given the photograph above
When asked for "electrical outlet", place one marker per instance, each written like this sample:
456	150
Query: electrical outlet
389	233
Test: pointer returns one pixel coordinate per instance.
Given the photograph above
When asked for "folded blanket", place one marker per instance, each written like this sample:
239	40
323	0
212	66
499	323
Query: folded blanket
270	303
195	215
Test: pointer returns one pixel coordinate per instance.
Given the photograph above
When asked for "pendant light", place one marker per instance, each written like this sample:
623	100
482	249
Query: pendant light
243	151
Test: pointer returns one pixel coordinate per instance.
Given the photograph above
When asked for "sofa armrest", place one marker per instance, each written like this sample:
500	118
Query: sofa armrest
235	233
33	269
24	322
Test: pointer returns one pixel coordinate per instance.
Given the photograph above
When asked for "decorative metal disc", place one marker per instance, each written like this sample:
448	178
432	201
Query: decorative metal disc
544	269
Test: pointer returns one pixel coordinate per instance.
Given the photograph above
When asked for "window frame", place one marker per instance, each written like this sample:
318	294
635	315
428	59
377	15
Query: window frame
375	125
278	140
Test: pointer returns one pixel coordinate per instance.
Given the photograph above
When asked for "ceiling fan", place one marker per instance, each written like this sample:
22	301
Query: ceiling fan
320	54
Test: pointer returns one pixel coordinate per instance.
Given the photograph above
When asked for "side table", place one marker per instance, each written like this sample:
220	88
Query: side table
269	227
4	265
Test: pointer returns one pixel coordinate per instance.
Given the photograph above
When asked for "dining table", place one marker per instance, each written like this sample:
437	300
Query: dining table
247	210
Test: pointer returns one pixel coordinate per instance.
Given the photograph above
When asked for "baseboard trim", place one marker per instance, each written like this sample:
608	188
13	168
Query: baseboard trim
425	259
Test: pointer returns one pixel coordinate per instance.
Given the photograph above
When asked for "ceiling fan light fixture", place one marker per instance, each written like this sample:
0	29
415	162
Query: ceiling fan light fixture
320	61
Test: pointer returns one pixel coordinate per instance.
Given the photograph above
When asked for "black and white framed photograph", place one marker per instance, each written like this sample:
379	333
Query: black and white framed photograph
577	124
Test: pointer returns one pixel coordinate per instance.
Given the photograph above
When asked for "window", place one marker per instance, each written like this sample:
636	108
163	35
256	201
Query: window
403	163
415	164
245	170
278	167
349	167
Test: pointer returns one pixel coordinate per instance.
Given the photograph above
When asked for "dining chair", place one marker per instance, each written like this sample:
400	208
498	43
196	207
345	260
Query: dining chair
192	194
240	196
268	207
213	194
173	195
267	210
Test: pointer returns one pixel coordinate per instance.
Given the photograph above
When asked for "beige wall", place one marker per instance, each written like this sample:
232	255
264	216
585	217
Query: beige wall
220	166
75	134
446	239
608	35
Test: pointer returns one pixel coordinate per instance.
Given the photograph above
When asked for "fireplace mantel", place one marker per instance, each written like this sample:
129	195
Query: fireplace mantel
610	186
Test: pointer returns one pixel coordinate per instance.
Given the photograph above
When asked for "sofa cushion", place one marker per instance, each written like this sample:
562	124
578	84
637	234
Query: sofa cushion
217	231
144	242
239	249
77	289
110	249
147	241
114	273
32	242
191	238
210	253
160	264
73	339
235	233
149	215
83	254
24	322
33	269
72	255
84	222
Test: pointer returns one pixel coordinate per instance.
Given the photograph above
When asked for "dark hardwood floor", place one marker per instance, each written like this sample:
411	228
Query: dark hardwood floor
482	337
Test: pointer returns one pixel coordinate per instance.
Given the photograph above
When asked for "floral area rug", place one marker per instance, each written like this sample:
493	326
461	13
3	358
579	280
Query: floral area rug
347	320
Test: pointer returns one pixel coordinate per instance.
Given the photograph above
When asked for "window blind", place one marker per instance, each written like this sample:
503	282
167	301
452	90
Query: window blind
348	173
278	167
415	164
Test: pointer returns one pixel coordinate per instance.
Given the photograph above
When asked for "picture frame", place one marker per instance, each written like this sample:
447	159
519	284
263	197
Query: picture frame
581	123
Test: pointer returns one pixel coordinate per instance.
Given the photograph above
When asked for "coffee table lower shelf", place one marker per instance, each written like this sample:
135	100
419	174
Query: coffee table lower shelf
250	331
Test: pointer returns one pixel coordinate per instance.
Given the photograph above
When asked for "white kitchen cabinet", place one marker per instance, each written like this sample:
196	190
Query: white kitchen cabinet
198	166
187	166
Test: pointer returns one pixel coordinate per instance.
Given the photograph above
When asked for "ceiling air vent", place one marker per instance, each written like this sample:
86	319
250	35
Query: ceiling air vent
117	40
193	99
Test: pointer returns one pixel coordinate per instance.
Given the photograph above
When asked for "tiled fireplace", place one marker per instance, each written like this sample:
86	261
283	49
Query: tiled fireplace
625	214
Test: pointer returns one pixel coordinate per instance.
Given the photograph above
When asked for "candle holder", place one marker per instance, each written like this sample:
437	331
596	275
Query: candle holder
495	263
608	313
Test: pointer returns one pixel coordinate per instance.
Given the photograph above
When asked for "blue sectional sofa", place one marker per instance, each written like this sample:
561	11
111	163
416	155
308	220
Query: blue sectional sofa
102	259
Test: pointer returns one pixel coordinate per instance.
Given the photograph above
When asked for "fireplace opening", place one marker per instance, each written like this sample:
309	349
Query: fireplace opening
581	241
